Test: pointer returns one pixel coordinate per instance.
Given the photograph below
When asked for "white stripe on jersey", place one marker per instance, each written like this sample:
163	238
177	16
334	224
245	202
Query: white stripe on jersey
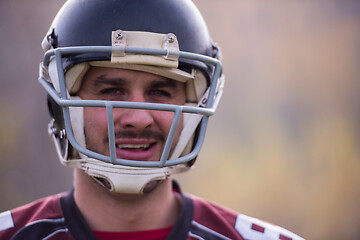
195	236
56	232
6	220
244	225
56	220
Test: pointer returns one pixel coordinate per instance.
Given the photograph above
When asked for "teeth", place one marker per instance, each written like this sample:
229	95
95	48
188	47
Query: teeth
133	146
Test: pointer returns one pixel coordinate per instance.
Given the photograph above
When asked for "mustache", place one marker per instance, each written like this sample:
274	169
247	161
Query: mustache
146	134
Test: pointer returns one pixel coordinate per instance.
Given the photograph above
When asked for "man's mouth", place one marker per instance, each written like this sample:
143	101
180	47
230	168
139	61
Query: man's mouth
134	147
145	146
137	151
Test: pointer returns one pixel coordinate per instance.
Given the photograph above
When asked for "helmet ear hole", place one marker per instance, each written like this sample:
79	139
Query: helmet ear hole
49	105
56	113
57	125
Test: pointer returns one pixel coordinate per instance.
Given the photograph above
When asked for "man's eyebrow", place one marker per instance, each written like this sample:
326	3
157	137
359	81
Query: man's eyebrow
164	83
154	83
104	80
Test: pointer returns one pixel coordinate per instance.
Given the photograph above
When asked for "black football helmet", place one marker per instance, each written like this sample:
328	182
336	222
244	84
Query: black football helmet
164	37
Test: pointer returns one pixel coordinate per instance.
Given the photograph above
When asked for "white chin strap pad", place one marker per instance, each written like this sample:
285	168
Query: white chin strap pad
122	179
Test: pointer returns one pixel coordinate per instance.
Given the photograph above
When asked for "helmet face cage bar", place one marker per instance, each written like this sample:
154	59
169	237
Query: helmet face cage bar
64	102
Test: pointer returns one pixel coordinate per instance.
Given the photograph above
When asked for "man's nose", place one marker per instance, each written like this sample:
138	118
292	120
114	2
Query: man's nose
135	119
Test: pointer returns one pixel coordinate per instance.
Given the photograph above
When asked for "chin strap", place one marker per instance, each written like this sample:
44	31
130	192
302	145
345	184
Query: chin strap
123	179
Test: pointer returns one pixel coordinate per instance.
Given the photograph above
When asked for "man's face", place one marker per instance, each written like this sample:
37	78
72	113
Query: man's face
139	134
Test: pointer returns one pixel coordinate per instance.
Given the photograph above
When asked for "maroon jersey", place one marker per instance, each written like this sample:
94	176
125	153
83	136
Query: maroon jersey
57	217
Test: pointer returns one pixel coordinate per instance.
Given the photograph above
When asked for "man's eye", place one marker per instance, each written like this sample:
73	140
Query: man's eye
111	91
159	93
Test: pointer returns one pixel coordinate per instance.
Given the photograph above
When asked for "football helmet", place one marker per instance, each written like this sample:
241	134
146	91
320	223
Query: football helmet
164	37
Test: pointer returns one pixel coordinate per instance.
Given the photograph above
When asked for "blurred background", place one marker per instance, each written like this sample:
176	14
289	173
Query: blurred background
284	144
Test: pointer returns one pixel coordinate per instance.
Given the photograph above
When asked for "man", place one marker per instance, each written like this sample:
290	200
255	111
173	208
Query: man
131	86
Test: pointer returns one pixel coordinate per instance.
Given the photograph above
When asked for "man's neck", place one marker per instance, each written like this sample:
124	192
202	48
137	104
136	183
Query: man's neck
107	211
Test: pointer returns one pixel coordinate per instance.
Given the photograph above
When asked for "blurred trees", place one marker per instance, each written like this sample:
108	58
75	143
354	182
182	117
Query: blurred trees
284	143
